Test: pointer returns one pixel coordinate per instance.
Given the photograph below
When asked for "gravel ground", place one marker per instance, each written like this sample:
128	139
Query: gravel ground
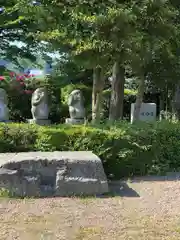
141	210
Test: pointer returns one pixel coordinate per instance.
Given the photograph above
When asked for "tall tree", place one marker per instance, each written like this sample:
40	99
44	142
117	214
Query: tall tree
101	34
117	92
14	30
73	30
156	29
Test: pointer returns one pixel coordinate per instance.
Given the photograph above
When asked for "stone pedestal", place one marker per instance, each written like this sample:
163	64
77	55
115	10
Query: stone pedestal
42	122
74	121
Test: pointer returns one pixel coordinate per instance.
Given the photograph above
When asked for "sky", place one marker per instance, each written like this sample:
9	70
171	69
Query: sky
45	69
53	55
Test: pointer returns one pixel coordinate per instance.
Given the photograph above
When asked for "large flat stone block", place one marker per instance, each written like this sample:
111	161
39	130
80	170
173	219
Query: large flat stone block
53	173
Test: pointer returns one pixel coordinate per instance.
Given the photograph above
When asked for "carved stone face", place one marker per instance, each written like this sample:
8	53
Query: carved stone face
75	96
3	96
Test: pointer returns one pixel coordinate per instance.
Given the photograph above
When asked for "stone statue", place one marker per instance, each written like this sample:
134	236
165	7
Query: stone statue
39	107
4	111
39	104
76	107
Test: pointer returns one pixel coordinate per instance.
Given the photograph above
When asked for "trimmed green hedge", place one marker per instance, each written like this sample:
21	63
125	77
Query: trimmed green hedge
125	150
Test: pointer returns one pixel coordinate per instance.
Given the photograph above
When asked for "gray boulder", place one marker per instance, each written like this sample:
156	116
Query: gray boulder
37	174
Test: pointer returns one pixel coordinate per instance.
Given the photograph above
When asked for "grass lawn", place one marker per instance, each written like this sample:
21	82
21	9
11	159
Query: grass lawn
142	211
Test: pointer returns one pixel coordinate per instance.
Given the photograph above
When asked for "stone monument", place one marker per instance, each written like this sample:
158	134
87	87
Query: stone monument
39	107
43	174
4	111
76	108
147	112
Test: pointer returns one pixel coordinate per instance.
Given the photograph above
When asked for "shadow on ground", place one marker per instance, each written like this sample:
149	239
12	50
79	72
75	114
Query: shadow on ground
120	189
171	176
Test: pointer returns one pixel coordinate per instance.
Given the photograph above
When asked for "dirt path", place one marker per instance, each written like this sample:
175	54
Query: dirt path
147	210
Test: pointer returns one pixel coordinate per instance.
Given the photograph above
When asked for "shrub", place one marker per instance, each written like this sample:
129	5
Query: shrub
17	137
18	91
20	87
125	150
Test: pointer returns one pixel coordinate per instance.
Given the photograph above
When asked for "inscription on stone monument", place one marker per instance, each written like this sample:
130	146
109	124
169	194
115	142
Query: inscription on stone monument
147	112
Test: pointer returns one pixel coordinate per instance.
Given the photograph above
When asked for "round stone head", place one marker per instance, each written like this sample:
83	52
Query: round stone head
75	97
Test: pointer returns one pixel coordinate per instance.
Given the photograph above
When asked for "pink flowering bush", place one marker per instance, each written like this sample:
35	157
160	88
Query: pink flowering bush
19	88
22	82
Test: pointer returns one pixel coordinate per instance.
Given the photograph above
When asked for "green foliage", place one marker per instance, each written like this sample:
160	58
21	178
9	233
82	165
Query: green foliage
43	143
19	112
19	89
54	93
4	193
15	26
13	137
125	150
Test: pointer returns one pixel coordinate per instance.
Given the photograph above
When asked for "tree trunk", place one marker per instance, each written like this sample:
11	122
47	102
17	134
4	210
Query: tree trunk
117	93
176	102
139	99
161	102
98	86
173	109
161	106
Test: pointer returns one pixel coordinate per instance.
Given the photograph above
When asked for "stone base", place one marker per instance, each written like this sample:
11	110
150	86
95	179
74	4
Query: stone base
41	174
39	121
74	121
